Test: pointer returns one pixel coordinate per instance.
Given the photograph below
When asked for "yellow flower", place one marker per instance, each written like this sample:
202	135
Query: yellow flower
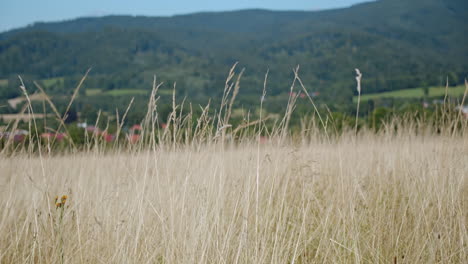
60	203
64	199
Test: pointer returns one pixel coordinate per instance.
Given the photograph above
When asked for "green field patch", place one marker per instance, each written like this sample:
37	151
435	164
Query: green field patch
3	82
52	81
239	112
165	92
117	92
123	92
414	93
93	91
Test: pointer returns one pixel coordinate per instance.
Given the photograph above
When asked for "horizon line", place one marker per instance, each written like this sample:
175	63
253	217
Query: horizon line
178	14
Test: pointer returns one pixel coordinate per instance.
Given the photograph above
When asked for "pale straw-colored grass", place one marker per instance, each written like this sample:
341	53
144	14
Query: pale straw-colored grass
373	200
197	192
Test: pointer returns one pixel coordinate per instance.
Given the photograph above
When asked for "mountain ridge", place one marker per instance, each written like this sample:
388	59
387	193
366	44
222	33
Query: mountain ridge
397	44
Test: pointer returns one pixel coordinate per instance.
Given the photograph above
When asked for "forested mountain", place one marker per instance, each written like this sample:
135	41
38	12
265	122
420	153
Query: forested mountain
396	43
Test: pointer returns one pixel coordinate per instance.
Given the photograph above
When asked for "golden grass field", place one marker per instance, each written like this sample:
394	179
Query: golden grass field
396	195
377	199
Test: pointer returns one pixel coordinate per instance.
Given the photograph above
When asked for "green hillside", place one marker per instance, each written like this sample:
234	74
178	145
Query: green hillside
397	44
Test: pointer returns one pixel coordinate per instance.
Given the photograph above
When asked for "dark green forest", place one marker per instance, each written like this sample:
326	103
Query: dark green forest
397	44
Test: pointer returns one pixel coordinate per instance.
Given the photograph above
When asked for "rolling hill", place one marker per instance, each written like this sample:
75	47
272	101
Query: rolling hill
397	44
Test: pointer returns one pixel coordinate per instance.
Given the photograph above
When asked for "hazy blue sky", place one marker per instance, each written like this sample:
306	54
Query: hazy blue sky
17	13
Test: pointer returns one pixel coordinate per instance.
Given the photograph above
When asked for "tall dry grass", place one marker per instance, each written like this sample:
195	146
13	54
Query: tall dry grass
193	194
372	200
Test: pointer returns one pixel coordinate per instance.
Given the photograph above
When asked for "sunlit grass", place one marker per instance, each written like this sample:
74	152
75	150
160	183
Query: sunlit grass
373	200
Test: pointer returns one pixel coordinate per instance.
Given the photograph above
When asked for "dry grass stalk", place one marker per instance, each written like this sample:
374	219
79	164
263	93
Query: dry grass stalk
358	88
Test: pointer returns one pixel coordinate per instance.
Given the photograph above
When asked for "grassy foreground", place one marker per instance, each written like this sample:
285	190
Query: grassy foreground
380	199
202	191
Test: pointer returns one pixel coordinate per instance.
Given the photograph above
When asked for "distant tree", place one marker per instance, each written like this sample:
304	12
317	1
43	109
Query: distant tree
72	116
88	113
425	91
379	116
